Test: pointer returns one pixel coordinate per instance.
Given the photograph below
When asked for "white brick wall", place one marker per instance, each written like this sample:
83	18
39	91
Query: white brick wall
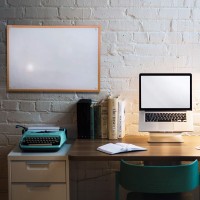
137	36
41	13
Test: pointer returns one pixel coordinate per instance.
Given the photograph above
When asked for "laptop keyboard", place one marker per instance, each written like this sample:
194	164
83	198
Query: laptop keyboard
165	117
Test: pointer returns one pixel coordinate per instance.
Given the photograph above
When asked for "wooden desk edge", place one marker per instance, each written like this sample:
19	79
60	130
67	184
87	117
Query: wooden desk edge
85	150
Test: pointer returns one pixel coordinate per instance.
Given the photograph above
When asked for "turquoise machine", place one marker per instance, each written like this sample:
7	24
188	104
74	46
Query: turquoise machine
42	139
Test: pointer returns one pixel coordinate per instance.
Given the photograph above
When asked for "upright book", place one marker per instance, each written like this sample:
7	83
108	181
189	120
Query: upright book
97	121
84	118
92	120
112	117
121	119
104	119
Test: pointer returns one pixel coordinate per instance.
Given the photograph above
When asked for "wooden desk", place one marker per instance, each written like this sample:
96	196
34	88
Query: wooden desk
85	150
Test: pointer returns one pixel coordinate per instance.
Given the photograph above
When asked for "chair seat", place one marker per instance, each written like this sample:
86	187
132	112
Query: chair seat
147	196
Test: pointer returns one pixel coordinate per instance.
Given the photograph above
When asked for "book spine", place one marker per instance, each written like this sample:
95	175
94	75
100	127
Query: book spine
97	122
92	121
104	119
121	119
83	118
112	117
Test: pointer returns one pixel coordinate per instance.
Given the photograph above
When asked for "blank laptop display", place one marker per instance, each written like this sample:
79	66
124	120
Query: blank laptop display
165	102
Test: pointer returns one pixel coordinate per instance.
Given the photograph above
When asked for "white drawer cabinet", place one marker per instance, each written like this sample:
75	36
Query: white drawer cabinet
38	171
39	175
38	191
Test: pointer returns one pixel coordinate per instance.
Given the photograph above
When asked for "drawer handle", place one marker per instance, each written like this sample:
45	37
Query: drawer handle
31	165
38	186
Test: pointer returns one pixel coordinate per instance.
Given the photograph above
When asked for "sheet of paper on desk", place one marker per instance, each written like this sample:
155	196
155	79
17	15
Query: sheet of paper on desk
112	148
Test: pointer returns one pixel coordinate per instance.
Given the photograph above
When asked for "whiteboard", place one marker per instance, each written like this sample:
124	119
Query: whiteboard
53	58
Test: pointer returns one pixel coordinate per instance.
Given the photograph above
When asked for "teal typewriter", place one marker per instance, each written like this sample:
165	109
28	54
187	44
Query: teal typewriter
42	139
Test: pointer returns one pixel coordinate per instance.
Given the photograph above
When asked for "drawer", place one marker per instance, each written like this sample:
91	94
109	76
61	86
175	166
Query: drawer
38	171
38	191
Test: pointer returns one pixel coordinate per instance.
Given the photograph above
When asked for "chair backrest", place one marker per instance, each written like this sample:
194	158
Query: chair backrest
158	179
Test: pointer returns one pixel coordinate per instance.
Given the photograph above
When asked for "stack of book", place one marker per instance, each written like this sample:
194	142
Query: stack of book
104	119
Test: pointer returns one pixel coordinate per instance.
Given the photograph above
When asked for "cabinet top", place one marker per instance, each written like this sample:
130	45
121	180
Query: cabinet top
62	154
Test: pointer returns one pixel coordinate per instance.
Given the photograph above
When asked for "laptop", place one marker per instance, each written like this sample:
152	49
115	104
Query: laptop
165	104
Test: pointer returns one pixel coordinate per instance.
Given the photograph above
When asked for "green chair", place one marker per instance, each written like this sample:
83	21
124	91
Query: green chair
141	179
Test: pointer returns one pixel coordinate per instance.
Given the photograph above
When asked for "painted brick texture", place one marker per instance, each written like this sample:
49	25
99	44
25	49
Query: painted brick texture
137	36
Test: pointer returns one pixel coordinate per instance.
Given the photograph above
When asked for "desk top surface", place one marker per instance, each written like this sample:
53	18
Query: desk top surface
85	150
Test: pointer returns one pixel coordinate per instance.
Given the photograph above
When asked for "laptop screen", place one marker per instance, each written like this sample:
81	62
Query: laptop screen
172	91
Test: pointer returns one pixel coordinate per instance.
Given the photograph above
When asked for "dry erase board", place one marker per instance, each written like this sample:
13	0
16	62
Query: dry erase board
53	58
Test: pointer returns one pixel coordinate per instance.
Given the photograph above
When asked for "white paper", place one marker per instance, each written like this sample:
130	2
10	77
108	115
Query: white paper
49	128
112	148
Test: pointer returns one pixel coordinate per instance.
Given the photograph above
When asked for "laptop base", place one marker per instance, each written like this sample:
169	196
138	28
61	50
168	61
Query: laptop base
165	137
